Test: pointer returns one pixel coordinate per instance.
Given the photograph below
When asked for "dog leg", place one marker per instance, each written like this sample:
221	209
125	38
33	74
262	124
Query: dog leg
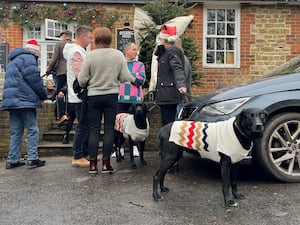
132	161
234	176
119	140
156	181
141	147
225	173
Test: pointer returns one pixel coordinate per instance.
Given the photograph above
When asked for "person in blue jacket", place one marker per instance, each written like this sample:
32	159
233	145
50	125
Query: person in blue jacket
23	93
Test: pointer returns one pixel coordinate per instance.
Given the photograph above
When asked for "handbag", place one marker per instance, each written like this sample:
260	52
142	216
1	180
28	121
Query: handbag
79	91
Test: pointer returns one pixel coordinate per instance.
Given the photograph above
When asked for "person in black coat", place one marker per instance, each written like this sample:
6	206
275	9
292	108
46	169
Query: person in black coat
171	75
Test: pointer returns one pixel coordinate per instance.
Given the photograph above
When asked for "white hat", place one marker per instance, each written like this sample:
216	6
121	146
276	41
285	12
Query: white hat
168	33
32	44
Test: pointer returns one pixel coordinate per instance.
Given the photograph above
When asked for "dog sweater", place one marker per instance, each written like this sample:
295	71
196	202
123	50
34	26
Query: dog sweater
126	125
209	139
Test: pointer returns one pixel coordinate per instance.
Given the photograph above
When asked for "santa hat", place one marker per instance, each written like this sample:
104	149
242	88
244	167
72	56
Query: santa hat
32	44
168	32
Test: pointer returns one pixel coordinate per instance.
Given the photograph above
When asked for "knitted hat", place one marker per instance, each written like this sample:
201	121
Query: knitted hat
32	44
168	32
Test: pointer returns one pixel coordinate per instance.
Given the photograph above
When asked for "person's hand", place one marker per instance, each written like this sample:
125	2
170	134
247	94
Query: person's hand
182	90
60	94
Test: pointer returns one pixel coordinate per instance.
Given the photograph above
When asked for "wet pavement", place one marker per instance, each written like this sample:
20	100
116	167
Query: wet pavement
58	194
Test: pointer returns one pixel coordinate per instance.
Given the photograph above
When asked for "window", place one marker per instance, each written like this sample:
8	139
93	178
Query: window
221	37
47	34
54	28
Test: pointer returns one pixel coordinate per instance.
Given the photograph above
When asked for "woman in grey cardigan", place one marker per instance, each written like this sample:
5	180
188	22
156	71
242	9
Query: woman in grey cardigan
102	71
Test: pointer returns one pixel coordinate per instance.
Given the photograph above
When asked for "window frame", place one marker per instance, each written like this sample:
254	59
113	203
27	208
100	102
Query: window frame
236	36
44	39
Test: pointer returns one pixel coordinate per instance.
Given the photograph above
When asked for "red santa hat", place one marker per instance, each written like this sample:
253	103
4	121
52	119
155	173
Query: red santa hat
32	44
168	32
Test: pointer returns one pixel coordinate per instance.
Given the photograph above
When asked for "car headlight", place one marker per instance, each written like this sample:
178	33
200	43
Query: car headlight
225	107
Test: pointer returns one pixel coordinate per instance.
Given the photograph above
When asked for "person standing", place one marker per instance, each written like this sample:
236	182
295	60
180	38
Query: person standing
188	78
74	54
101	72
170	74
130	92
22	95
57	66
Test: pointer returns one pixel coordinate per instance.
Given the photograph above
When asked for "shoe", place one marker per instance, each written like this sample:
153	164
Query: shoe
35	163
14	165
62	120
106	167
82	162
114	154
93	166
65	139
136	151
122	151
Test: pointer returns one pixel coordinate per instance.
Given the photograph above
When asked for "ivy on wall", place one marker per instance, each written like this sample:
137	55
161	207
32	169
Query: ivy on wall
29	14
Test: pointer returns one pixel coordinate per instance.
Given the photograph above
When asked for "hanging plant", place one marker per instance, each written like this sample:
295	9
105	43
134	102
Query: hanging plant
28	15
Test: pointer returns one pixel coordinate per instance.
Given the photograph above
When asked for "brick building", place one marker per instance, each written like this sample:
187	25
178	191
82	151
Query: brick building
238	40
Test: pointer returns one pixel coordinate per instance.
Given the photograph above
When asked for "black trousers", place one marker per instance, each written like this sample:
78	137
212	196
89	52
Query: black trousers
168	113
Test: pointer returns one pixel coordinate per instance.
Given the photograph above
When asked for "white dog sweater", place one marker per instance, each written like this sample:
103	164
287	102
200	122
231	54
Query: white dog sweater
126	125
209	139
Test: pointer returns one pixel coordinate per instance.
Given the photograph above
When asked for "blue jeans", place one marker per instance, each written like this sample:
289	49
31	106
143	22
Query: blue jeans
20	119
81	131
97	107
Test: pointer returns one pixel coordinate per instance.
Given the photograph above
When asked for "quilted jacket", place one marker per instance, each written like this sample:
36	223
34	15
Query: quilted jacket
23	85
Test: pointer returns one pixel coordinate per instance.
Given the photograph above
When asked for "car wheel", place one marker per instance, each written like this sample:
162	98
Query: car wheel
278	151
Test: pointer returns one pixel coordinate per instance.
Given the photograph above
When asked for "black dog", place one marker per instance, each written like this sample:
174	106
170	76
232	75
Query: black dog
133	126
227	142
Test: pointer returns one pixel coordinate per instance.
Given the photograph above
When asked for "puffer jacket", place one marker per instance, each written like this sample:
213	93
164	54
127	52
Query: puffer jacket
170	76
23	85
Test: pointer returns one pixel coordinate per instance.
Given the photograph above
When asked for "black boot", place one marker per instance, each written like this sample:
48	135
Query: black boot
93	166
106	167
65	139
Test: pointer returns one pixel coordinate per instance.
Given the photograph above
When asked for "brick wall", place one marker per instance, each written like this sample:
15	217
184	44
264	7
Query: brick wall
45	118
270	36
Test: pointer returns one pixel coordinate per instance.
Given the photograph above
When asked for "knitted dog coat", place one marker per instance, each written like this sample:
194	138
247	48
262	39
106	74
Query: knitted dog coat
126	125
209	139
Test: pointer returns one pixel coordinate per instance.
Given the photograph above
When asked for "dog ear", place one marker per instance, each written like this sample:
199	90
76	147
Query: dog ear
131	110
265	114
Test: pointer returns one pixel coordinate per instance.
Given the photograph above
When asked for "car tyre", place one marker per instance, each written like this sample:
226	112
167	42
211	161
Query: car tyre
278	151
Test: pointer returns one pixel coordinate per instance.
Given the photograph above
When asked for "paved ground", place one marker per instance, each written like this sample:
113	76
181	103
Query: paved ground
58	194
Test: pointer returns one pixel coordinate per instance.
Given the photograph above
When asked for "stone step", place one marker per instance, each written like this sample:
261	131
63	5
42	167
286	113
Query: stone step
56	135
51	148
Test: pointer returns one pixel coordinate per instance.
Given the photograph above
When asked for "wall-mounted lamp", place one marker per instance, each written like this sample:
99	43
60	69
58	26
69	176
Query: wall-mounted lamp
126	22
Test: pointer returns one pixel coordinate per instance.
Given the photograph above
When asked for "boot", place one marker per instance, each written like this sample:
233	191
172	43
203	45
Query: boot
65	139
106	167
93	166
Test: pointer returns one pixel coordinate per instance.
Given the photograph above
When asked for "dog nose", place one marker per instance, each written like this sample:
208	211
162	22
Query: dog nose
259	127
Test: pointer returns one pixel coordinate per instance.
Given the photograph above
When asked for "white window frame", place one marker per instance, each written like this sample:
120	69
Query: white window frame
53	28
44	38
236	37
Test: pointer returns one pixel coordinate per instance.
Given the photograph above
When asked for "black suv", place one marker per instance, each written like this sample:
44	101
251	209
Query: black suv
278	151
